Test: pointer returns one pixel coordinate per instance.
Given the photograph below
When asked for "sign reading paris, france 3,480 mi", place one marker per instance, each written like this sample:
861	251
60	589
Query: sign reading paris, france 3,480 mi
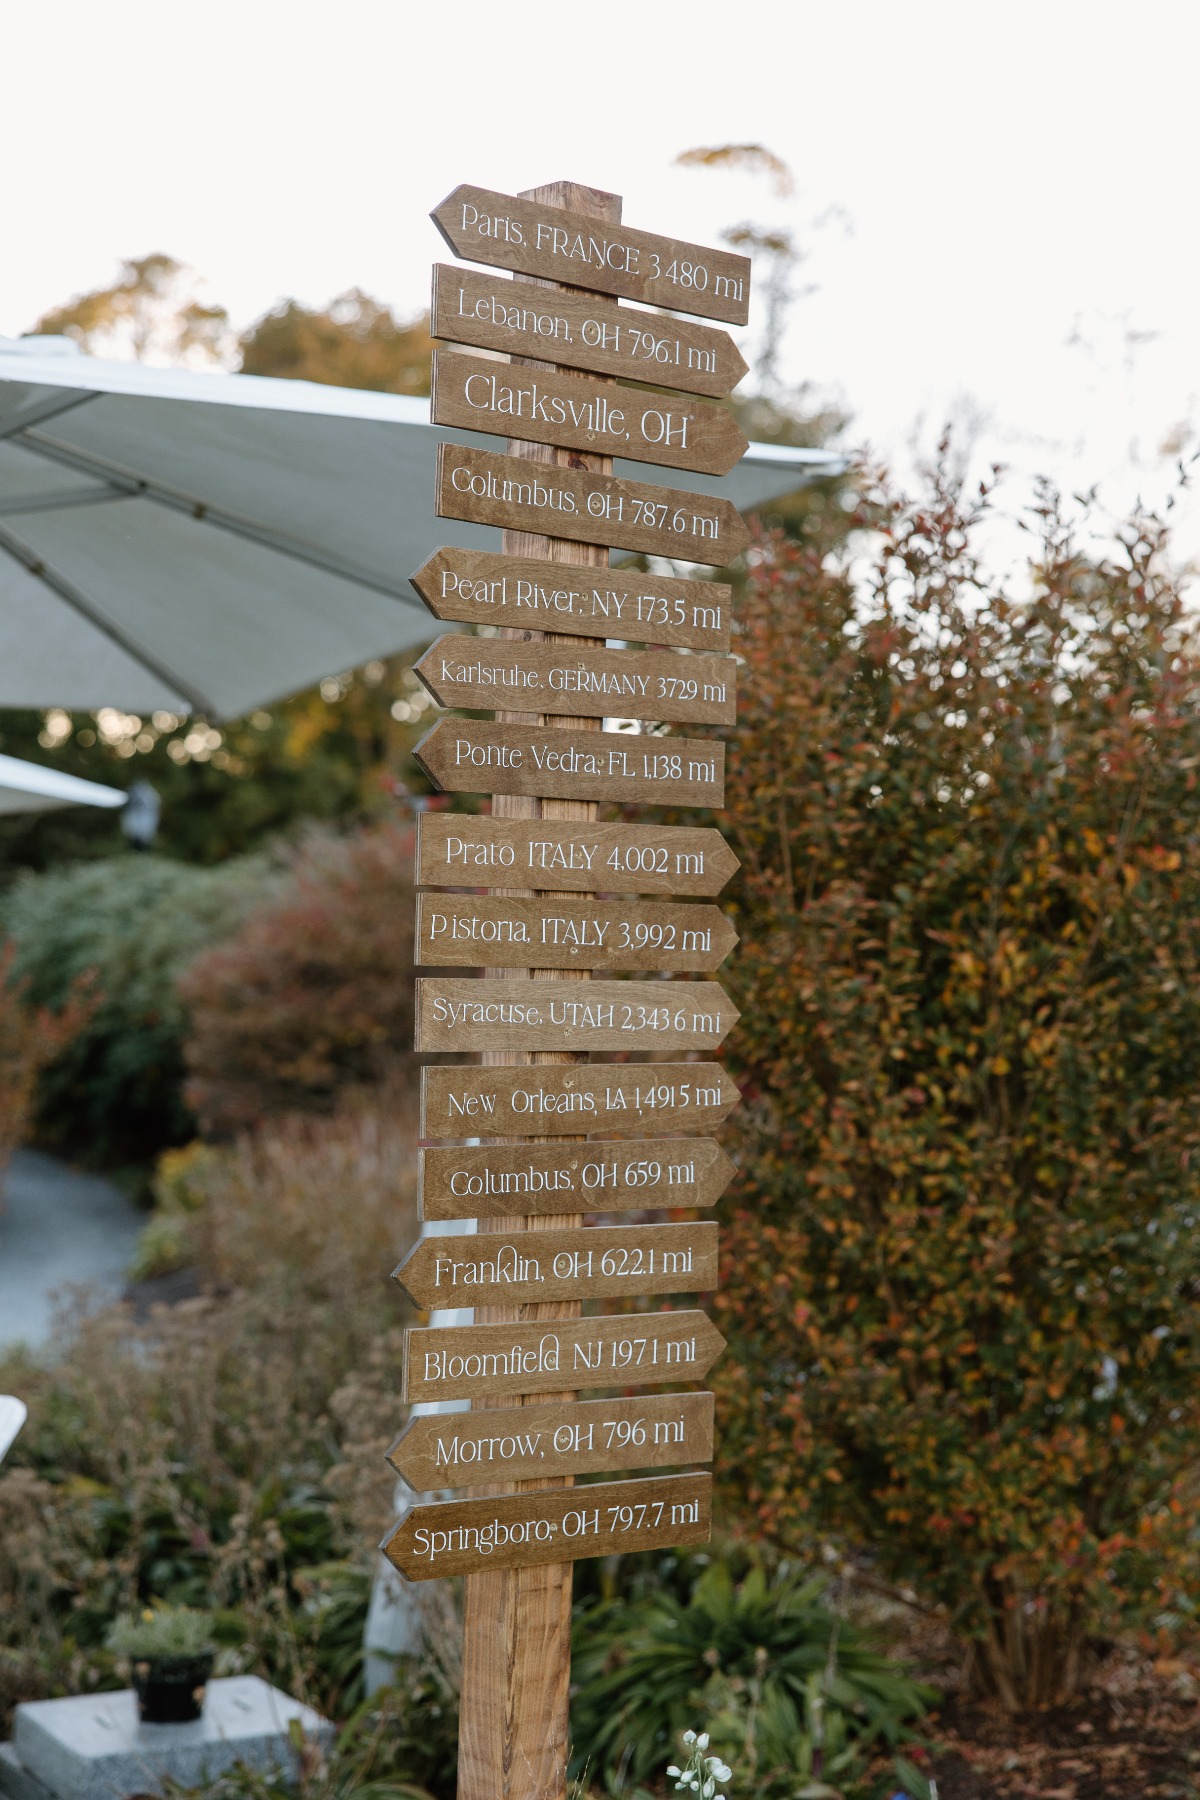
561	245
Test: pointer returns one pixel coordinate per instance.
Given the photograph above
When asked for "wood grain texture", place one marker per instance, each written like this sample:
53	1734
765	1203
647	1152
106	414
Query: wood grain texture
492	1181
471	1362
616	1098
460	1014
568	933
507	232
477	587
486	488
465	756
491	312
591	1262
577	681
581	412
466	850
565	1437
606	1518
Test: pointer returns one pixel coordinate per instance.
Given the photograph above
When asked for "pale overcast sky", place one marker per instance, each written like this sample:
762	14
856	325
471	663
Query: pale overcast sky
1011	235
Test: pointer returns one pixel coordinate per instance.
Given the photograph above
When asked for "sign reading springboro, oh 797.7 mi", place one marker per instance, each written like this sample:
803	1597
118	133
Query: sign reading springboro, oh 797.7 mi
562	919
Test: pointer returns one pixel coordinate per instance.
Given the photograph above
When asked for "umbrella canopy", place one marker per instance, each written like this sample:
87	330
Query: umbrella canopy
28	787
186	541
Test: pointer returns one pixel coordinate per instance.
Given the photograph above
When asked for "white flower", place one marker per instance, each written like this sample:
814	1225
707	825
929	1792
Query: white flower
702	1741
710	1788
672	1770
689	1737
721	1770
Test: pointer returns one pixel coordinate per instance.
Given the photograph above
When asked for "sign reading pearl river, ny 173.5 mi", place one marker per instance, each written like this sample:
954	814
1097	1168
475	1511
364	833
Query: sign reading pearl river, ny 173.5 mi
463	756
489	489
475	587
516	318
581	412
459	850
617	1098
560	245
569	680
464	1537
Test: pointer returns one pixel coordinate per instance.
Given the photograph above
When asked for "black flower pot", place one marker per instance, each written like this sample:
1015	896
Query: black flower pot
170	1689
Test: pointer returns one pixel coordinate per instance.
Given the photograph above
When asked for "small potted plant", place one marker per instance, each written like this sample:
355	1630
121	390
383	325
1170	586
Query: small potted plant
170	1652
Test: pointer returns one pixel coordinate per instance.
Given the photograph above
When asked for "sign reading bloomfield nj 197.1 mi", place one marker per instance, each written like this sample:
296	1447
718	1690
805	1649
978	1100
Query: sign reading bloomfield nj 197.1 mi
544	1131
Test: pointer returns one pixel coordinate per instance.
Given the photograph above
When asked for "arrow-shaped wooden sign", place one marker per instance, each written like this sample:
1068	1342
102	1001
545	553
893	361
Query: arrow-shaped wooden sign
618	1098
567	680
499	1179
584	412
591	1262
453	1013
463	756
564	1437
465	1537
491	312
469	850
560	245
497	932
476	587
474	1362
489	489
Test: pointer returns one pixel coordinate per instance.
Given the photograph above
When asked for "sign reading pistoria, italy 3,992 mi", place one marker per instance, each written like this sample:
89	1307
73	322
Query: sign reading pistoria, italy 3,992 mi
573	933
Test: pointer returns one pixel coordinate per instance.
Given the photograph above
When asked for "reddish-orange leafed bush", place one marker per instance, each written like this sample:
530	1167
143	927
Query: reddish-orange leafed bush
30	1038
314	995
962	1271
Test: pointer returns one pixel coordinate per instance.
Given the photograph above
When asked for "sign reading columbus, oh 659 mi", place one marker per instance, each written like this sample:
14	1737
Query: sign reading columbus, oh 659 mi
501	1179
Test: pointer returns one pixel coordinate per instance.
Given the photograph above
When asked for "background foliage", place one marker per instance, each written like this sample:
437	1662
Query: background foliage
963	1271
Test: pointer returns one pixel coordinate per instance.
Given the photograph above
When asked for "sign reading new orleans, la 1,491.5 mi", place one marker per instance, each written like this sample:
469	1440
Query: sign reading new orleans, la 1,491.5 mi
621	1099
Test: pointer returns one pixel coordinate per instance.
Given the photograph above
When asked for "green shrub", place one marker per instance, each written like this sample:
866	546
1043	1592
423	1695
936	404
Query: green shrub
176	1631
961	1273
787	1690
314	994
126	926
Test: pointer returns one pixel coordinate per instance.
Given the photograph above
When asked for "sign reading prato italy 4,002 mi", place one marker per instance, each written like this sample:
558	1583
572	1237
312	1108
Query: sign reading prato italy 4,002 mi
543	904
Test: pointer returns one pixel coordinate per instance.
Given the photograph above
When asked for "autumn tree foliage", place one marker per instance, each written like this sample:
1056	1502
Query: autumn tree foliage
962	1268
314	994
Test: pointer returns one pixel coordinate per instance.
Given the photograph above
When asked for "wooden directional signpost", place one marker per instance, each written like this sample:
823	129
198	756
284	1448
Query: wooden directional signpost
547	904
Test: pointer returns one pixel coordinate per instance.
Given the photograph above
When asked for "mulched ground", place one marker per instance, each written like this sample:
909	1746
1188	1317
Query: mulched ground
1134	1736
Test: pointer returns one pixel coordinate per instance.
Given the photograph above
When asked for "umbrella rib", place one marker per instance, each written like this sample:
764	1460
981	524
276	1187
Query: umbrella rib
53	409
79	602
85	462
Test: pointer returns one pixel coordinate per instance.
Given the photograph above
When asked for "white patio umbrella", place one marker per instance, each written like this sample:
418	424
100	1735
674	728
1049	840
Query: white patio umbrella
203	542
28	787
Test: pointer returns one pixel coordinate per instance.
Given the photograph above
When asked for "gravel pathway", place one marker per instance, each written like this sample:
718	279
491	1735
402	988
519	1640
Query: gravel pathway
58	1227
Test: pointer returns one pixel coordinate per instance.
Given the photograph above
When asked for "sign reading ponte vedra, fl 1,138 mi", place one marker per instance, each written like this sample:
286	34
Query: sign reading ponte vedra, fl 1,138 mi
544	904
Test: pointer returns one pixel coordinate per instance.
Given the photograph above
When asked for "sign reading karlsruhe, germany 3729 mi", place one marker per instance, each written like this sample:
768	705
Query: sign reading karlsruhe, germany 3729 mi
555	941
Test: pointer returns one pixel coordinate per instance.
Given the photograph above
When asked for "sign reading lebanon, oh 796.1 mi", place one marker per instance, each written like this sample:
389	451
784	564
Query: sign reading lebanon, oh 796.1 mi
518	319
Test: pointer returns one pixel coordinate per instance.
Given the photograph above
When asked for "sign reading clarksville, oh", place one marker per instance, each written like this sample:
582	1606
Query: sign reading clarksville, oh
570	984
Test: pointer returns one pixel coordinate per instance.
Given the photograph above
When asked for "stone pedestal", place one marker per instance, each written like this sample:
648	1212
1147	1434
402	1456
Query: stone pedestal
94	1747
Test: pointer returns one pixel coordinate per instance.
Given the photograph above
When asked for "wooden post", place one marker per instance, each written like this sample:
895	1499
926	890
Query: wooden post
513	1727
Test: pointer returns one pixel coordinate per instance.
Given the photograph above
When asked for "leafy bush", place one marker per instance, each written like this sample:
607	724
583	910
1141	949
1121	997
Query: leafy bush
788	1691
228	1452
161	1631
126	926
963	1289
30	1039
315	993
